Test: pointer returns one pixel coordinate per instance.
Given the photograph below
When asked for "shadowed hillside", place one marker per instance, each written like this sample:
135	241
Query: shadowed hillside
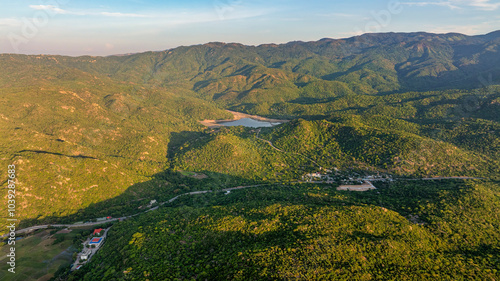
82	129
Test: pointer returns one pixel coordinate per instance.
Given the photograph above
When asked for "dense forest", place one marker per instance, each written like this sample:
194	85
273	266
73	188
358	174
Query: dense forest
442	230
103	136
83	130
346	142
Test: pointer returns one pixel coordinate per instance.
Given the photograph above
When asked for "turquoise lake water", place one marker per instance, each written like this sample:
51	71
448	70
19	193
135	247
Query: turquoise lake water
249	122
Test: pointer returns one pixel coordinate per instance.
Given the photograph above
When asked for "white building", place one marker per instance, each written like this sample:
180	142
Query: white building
85	255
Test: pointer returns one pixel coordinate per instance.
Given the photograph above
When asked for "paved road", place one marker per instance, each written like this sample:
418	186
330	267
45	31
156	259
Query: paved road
36	227
446	178
44	226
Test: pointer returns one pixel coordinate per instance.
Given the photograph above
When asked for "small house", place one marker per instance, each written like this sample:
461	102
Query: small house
97	232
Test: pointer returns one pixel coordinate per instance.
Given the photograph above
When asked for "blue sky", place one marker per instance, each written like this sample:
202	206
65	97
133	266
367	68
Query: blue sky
76	27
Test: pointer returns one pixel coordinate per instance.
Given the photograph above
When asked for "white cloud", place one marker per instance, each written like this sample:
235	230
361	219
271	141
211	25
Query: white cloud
57	10
483	4
54	9
235	12
448	4
123	15
474	29
487	5
341	15
10	22
171	18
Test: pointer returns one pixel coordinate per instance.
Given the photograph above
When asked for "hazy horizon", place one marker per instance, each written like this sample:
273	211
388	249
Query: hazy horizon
76	28
254	45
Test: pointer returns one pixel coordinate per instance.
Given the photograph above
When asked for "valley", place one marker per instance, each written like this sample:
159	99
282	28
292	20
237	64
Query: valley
223	161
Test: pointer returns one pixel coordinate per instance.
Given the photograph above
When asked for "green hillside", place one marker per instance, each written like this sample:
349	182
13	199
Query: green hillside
403	231
78	139
350	142
236	152
104	136
82	130
355	144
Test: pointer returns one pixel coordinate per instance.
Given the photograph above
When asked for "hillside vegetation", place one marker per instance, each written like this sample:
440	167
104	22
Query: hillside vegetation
403	231
77	139
349	142
83	130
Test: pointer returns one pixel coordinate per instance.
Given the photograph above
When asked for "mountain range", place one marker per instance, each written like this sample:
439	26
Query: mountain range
83	130
94	137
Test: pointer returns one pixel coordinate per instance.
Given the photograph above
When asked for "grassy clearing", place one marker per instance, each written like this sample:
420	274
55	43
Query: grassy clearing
37	257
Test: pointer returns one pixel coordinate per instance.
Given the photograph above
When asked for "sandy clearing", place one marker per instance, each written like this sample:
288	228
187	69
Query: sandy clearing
362	187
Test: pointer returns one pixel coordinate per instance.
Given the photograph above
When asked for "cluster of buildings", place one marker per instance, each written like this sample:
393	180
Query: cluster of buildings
92	246
97	240
344	177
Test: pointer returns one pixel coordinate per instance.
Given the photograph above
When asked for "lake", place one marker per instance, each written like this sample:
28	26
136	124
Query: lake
243	119
249	122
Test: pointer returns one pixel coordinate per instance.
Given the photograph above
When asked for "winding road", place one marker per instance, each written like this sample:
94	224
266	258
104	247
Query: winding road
44	226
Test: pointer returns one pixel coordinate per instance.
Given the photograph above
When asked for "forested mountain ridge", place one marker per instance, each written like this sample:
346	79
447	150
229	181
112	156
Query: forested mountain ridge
404	231
235	74
78	138
106	123
108	136
346	143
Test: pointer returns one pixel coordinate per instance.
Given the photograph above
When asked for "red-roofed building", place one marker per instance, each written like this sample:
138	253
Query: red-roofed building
97	232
